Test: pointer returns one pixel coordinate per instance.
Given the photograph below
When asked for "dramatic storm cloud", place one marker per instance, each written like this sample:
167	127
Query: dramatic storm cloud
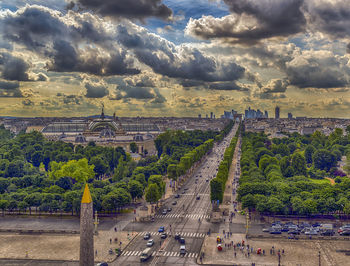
95	91
251	21
139	9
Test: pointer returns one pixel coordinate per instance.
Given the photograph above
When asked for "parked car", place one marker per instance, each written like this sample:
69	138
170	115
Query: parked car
164	235
293	232
311	233
327	232
345	232
285	228
161	229
276	232
147	236
266	230
150	243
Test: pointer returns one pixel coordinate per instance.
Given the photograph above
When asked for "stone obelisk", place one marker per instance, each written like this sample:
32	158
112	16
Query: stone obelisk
86	230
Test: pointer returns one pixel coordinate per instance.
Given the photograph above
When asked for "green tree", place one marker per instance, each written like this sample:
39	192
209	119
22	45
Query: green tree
152	194
309	151
4	205
135	188
79	170
324	159
298	164
216	190
101	166
158	180
133	147
172	171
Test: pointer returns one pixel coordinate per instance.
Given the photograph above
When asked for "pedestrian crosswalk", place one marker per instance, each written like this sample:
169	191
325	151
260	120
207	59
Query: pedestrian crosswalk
190	216
183	234
128	253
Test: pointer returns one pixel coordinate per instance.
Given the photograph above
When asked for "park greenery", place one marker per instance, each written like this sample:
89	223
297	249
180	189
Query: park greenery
48	176
295	175
217	185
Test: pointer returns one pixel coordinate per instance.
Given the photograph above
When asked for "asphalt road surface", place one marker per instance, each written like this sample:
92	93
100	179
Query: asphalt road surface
189	217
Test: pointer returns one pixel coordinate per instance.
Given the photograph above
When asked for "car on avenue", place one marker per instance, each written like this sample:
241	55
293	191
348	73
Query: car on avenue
164	211
102	264
161	229
164	235
177	236
174	202
150	243
147	236
177	196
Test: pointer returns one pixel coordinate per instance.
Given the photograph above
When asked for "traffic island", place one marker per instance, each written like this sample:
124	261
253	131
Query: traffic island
288	252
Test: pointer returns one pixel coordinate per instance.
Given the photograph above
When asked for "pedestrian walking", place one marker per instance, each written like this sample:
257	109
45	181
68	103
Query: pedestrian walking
115	229
251	249
110	241
235	254
282	251
270	251
263	252
96	252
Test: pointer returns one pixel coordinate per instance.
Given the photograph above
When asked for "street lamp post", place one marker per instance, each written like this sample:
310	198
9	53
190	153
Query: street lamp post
279	259
319	258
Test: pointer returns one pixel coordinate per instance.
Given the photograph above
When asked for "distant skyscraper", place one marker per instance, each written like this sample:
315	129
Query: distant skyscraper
211	115
277	112
251	113
206	116
290	115
266	114
86	230
199	116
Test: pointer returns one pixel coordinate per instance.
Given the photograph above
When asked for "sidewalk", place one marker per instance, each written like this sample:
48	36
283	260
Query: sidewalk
296	252
59	247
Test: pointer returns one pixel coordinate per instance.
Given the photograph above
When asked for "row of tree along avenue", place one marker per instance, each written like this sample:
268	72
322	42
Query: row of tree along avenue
37	175
295	175
217	185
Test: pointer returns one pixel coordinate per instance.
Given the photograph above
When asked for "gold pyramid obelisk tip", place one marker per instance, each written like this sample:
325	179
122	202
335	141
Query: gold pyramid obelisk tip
86	196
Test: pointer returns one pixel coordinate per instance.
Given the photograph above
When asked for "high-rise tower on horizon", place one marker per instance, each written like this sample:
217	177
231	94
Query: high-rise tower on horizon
277	112
86	230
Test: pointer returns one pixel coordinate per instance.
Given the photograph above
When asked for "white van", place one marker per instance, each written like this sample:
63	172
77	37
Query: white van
146	254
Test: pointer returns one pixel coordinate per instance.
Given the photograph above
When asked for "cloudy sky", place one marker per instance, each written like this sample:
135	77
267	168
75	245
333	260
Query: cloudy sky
174	57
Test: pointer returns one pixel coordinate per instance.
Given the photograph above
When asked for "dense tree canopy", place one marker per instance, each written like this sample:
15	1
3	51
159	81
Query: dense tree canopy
280	181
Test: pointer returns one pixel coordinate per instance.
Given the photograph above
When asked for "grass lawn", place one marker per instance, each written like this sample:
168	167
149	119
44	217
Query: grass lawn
320	181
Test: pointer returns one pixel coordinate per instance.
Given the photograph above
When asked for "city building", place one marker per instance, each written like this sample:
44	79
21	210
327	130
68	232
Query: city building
251	113
277	112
